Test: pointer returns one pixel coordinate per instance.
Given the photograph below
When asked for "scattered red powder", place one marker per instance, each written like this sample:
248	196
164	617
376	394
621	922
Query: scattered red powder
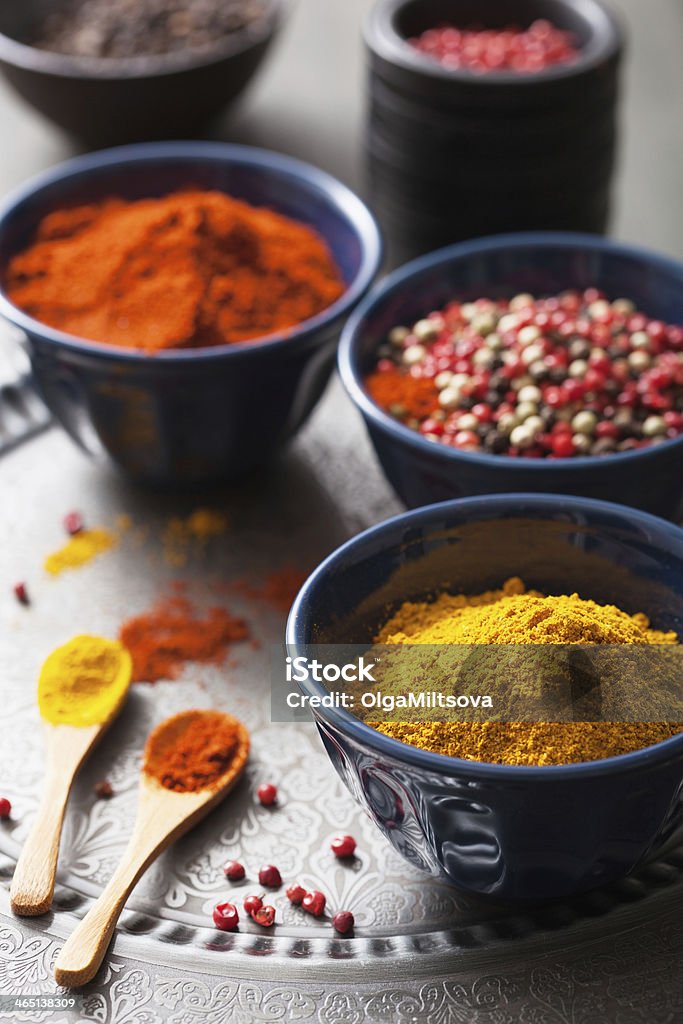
161	640
282	586
278	589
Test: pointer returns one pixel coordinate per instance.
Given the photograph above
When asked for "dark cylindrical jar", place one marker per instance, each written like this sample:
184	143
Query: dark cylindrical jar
453	154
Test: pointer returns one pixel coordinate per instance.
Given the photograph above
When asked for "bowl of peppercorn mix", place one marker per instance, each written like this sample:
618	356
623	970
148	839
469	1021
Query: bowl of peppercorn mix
113	71
181	302
534	362
529	809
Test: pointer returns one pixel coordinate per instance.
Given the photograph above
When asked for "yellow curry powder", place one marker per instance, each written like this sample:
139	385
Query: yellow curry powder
80	549
84	682
515	615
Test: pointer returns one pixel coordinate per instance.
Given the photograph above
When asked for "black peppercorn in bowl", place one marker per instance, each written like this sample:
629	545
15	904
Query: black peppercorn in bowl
106	100
422	470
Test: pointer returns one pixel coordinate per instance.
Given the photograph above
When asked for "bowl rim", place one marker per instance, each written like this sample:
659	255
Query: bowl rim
442	764
382	39
350	206
63	65
349	370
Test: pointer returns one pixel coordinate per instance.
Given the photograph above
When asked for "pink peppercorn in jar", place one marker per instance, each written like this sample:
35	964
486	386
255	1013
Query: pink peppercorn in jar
488	50
513	107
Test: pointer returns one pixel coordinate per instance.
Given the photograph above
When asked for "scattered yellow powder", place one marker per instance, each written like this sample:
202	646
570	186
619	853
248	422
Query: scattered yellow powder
80	549
196	529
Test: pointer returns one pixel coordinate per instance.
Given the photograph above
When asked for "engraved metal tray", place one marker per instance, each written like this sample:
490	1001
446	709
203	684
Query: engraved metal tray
421	950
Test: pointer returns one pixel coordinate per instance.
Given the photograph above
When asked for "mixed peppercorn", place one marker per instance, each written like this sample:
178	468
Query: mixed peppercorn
567	375
525	51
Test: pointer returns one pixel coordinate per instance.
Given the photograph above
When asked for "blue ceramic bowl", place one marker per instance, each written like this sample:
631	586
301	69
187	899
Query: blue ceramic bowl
512	832
422	471
196	415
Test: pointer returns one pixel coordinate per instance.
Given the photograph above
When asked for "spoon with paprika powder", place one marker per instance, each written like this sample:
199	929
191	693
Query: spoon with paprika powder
191	762
81	689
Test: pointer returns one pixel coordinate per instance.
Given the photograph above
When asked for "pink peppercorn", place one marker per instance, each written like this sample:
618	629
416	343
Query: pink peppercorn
234	871
252	904
5	808
314	903
267	794
270	876
343	922
265	916
73	523
563	445
295	894
343	846
21	593
225	916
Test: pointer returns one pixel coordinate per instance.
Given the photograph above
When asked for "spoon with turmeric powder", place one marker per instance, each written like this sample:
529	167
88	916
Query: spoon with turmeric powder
81	688
191	762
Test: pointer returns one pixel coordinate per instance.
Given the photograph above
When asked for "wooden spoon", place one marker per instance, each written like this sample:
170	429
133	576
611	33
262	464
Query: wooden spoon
163	816
67	747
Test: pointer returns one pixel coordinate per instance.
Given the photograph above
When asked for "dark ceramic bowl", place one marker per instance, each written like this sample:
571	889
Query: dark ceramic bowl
512	832
194	415
107	101
392	22
422	471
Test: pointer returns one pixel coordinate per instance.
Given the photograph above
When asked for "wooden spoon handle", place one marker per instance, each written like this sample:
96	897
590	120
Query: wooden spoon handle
33	883
34	878
84	950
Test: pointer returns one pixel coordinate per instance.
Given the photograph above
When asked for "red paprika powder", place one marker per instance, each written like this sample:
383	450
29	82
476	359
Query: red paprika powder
195	752
191	269
161	640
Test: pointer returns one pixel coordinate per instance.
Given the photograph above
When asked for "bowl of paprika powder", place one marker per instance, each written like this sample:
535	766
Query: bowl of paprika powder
181	302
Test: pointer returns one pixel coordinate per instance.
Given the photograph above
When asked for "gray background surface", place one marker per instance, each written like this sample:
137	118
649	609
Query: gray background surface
309	102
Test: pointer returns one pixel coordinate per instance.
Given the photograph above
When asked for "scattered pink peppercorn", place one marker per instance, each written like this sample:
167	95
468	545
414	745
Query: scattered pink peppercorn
314	903
225	917
5	808
267	794
343	922
343	846
270	876
265	916
252	904
103	790
234	871
73	523
295	894
21	593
